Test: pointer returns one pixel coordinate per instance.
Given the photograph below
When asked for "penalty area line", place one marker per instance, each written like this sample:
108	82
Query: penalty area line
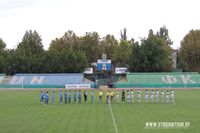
114	123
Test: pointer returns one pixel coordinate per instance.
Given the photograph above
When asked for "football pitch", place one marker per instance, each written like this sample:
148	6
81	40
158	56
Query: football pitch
21	112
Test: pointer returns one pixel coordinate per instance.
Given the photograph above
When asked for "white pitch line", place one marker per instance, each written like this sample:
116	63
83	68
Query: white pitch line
113	117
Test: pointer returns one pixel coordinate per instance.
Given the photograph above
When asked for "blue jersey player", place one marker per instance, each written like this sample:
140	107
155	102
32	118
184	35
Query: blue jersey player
47	97
45	100
75	96
65	96
60	95
69	96
53	97
79	96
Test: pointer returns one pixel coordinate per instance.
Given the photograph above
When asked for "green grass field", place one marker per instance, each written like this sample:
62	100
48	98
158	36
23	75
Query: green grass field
21	112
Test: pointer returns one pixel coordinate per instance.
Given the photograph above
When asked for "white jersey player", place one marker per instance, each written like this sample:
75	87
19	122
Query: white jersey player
157	94
167	96
132	96
117	96
128	96
146	96
139	95
162	96
152	96
172	96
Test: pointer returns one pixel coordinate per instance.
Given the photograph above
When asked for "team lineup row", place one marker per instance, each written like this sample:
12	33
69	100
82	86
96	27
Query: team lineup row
111	96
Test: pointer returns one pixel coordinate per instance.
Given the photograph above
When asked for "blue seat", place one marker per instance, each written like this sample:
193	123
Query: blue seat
47	79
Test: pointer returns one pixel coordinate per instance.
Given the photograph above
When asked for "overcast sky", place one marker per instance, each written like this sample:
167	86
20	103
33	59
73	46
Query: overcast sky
51	18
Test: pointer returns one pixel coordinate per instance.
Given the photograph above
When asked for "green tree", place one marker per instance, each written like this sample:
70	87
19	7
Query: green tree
157	57
122	54
69	39
108	45
135	57
2	55
151	55
164	34
30	53
190	51
65	54
31	44
123	34
2	45
90	46
67	60
13	62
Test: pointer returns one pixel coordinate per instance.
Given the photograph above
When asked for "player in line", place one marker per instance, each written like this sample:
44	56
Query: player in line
162	96
100	96
79	96
112	95
167	96
60	95
108	96
139	95
128	96
65	96
132	96
117	96
53	97
172	96
69	96
157	94
152	96
123	96
74	96
146	96
46	97
92	96
85	96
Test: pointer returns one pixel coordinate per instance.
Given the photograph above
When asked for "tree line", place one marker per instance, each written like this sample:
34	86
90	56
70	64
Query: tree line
72	53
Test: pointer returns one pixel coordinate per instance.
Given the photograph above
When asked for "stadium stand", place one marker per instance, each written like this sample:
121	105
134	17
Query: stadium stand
42	80
130	80
178	79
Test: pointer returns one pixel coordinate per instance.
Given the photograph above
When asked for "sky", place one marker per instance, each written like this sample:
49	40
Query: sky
52	18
